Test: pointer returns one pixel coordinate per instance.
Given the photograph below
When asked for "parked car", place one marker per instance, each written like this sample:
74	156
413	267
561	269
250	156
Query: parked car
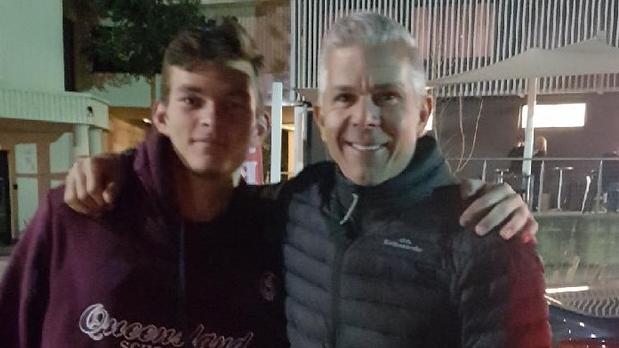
584	316
579	252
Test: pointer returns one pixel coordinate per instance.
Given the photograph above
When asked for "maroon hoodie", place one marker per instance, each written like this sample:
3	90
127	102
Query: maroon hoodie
141	277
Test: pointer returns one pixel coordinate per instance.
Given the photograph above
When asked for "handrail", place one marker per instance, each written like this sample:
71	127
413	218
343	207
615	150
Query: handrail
526	179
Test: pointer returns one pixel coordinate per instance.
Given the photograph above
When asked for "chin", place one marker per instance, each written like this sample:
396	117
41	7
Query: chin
214	168
362	178
202	169
204	173
372	182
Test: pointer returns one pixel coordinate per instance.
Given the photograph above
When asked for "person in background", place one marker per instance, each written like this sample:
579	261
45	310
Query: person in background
517	151
540	149
610	181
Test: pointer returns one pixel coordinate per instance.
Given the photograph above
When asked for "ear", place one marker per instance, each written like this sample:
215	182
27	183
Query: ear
424	115
159	117
261	128
319	121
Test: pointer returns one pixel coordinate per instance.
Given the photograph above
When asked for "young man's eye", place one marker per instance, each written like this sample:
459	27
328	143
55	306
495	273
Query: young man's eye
238	101
236	105
190	101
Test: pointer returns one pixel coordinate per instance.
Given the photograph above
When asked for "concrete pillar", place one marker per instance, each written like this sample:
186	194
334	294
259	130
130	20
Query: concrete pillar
276	131
81	135
300	115
95	140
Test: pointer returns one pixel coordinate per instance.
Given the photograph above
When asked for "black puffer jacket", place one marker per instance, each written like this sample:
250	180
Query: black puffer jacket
389	266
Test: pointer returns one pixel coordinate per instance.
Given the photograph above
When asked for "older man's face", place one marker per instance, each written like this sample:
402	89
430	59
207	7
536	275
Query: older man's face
371	116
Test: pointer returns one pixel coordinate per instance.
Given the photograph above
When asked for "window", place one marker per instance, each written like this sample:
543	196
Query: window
556	115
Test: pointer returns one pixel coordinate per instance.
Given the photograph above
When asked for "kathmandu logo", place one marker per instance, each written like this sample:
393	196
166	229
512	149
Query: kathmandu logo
403	243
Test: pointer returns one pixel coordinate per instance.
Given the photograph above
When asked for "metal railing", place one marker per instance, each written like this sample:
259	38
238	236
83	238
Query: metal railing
576	239
556	183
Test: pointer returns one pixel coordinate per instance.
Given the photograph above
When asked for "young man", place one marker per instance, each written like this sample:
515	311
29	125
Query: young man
374	255
83	183
182	261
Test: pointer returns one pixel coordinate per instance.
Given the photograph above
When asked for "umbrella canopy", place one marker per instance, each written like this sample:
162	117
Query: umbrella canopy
587	57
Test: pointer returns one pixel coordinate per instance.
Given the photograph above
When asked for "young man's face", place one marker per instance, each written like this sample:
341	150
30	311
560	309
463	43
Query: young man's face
371	116
210	116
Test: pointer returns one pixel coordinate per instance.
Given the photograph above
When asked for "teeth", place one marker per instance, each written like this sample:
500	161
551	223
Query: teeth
366	147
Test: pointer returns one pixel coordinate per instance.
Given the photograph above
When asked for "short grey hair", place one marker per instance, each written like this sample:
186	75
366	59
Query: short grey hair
368	29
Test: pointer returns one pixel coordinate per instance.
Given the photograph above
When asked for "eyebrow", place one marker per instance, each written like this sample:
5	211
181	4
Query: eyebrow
190	89
383	86
344	88
397	85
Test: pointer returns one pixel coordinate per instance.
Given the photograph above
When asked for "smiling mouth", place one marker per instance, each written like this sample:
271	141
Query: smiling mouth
366	148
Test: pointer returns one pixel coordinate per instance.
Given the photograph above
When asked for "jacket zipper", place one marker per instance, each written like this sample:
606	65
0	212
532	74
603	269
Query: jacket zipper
340	227
343	243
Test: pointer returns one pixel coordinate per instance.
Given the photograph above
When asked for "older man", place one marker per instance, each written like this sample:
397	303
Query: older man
373	253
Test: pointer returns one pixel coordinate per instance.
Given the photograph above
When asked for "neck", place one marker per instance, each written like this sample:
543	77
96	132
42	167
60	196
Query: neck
201	198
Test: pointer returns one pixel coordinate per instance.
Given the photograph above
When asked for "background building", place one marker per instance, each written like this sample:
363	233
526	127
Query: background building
42	127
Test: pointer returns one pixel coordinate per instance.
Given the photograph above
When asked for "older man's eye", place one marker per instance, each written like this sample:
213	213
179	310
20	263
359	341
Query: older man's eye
386	98
344	98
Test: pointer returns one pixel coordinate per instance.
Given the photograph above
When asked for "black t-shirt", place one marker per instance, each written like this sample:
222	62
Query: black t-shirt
232	260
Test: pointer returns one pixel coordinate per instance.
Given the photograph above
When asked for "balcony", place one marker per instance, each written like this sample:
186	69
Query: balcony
57	107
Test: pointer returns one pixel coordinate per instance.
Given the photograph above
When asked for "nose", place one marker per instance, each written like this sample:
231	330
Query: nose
207	113
366	114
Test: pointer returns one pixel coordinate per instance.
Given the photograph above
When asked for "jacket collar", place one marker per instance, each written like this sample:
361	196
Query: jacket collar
153	167
155	172
425	172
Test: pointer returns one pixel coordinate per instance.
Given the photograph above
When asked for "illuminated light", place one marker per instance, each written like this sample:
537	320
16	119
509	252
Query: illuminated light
567	289
147	120
429	123
556	115
581	324
553	300
593	336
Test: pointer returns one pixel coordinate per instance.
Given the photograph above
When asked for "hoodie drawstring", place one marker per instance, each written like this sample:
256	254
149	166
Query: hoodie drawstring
351	208
182	289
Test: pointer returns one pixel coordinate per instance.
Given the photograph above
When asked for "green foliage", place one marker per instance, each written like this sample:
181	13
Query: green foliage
131	35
